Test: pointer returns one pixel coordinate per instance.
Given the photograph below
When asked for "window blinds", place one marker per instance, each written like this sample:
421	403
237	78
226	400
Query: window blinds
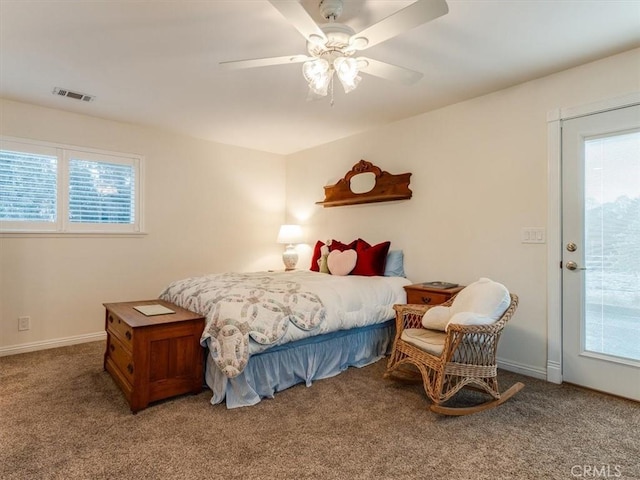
28	186
101	192
58	189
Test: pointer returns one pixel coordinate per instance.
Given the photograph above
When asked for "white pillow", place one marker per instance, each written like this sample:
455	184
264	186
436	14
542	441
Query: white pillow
484	297
341	263
470	318
436	318
480	303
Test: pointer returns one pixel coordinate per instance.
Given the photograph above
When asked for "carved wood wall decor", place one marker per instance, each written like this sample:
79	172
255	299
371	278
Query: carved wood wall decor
387	187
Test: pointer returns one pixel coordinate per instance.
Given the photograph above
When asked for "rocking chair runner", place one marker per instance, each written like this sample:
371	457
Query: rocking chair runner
463	356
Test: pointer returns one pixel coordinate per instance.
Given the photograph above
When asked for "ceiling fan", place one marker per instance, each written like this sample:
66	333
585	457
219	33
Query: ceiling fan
332	46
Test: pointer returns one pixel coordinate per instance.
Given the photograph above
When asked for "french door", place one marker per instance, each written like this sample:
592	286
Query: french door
601	251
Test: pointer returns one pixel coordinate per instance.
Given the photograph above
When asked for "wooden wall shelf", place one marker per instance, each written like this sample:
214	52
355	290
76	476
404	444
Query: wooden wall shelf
387	187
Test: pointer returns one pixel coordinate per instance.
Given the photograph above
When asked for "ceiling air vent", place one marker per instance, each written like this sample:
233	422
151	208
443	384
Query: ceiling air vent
78	96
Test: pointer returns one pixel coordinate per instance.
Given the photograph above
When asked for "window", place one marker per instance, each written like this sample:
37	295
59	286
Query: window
28	186
55	188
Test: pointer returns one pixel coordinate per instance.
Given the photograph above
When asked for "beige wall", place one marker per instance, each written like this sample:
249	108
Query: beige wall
209	208
479	176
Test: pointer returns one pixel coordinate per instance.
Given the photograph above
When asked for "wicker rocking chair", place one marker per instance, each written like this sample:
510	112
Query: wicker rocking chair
462	356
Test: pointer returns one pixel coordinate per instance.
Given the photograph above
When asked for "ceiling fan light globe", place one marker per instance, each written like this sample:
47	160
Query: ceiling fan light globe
315	69
351	84
320	88
346	67
347	71
314	95
317	73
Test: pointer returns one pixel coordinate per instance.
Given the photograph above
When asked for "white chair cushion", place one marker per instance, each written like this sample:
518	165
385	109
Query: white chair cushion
431	341
482	302
470	318
436	318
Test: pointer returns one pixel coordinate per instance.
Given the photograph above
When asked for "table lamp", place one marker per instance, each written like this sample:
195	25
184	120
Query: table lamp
290	235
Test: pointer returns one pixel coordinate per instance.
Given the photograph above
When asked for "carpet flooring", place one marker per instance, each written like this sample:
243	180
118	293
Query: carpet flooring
62	417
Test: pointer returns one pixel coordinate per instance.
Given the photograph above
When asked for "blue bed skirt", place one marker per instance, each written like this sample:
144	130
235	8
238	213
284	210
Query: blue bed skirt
306	360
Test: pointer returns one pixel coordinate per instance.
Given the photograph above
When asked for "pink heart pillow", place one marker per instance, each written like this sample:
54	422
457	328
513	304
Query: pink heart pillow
341	263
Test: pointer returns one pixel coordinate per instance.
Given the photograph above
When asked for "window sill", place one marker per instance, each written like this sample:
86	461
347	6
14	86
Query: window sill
73	234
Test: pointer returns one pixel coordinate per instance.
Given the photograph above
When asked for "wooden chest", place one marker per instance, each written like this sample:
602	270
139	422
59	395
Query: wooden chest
153	357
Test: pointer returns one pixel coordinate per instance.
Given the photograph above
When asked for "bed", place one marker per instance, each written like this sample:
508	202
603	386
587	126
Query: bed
268	331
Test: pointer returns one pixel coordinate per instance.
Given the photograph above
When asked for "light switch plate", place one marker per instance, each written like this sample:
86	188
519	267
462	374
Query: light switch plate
534	235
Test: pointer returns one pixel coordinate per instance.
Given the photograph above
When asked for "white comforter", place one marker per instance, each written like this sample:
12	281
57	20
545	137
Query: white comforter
280	307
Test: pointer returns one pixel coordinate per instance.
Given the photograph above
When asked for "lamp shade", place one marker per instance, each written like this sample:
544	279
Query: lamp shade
290	234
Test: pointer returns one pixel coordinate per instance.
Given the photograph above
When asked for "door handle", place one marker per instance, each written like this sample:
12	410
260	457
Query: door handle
573	266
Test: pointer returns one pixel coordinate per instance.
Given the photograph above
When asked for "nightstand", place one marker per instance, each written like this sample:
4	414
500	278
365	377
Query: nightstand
422	294
153	357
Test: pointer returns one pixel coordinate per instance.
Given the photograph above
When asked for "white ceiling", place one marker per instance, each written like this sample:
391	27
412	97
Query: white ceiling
156	62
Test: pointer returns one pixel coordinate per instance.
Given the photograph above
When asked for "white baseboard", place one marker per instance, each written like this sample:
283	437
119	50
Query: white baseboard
554	372
551	374
54	343
527	370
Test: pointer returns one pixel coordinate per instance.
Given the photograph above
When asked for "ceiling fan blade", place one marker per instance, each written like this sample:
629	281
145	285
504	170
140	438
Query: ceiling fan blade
388	71
422	11
295	13
263	62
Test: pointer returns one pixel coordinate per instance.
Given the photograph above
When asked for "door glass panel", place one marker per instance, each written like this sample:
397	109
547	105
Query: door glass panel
612	245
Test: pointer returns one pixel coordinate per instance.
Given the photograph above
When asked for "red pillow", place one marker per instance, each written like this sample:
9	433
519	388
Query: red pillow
335	245
371	259
316	256
338	245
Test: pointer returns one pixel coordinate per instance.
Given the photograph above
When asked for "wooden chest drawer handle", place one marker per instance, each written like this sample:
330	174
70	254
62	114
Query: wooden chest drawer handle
128	335
130	369
110	319
426	299
112	347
